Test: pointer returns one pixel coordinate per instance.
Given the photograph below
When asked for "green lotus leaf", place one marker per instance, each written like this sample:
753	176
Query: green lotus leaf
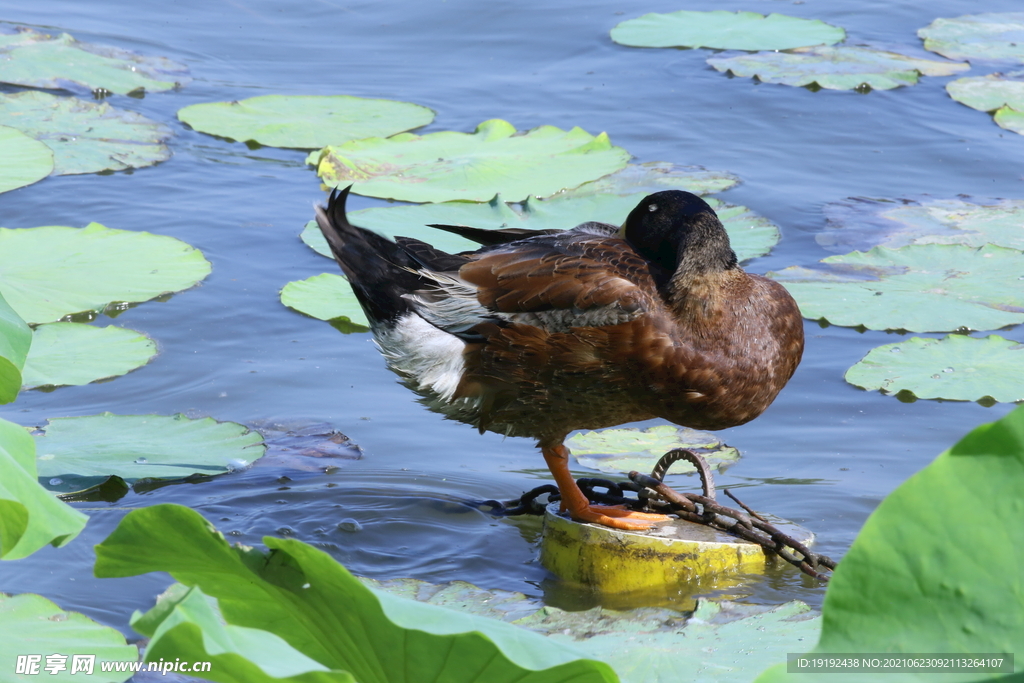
307	599
918	288
327	297
30	516
1010	119
305	121
31	624
836	68
646	644
73	353
77	452
23	160
860	223
956	368
912	582
54	271
187	622
15	340
655	176
722	30
494	159
750	234
625	449
993	36
39	60
86	137
989	93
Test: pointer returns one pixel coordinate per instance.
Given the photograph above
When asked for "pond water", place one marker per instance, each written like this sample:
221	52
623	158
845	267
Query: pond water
824	455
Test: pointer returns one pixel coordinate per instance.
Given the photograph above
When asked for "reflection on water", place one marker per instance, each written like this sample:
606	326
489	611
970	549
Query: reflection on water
824	455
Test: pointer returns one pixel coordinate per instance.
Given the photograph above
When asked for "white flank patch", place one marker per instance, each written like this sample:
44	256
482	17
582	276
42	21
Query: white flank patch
420	352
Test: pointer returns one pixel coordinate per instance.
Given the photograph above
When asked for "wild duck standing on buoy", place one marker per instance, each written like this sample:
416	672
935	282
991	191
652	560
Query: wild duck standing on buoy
541	333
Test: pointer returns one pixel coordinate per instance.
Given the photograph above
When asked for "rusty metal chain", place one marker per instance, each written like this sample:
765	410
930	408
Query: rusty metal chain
655	495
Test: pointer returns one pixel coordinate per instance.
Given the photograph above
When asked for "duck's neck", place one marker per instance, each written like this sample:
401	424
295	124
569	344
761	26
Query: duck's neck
700	296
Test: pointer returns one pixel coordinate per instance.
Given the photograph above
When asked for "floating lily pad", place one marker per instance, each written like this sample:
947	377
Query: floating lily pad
956	368
919	288
655	176
723	30
861	223
751	235
476	166
15	340
626	449
23	160
989	93
305	121
39	60
993	36
327	297
74	353
836	68
30	517
86	137
1002	94
54	271
31	624
78	452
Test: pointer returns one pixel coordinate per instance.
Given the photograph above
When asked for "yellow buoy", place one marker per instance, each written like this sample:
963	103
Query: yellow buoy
668	555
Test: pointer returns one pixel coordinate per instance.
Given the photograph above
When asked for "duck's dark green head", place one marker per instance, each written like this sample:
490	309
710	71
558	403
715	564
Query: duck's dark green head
673	228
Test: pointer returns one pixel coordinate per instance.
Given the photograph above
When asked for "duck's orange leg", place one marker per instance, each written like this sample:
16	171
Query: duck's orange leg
573	500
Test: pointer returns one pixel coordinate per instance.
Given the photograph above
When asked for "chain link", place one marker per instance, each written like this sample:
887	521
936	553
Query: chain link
653	495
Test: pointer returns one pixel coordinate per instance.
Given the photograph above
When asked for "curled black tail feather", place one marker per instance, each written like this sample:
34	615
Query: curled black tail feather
379	270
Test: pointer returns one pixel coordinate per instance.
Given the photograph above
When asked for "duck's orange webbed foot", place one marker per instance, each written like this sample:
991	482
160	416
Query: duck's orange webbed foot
577	505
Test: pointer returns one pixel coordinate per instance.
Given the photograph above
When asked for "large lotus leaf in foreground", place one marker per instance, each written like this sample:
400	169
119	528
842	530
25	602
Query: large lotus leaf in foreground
919	288
86	137
722	30
645	644
494	159
23	160
836	68
924	575
39	60
15	340
955	368
77	452
64	354
54	271
31	624
330	623
862	223
1002	94
304	121
991	36
751	235
30	516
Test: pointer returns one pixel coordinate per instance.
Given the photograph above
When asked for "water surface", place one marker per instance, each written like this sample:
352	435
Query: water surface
824	455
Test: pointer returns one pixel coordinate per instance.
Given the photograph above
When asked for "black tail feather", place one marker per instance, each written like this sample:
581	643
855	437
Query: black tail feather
379	270
492	237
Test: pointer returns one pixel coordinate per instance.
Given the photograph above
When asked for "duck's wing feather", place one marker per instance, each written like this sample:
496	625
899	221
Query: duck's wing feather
492	236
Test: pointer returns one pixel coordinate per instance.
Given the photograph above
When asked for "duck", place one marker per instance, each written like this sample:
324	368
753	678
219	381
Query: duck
540	333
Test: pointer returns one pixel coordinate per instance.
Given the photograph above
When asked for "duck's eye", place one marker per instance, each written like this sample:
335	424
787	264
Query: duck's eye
652	207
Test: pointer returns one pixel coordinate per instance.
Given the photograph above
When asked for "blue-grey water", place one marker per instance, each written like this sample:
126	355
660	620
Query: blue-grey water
824	455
